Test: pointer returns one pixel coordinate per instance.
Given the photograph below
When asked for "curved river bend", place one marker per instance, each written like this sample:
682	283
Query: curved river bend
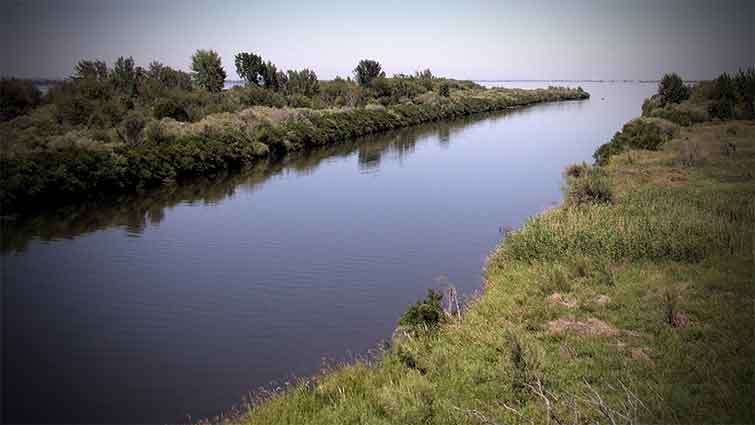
182	300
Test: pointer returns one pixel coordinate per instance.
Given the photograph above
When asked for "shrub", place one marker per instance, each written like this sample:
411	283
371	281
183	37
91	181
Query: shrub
253	95
208	71
444	90
682	114
169	108
427	312
590	187
724	98
671	89
133	126
17	97
640	133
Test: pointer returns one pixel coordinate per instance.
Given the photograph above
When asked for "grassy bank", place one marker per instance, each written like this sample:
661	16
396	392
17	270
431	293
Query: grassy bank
52	165
631	303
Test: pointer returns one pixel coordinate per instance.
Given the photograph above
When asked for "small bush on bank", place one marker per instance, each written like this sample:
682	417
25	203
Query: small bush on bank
591	187
427	312
640	133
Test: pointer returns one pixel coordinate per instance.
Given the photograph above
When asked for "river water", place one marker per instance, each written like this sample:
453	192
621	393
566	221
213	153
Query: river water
178	302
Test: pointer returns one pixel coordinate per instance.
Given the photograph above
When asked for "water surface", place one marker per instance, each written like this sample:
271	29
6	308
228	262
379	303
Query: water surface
180	301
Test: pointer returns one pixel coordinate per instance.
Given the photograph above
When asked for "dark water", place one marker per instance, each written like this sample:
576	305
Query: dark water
182	300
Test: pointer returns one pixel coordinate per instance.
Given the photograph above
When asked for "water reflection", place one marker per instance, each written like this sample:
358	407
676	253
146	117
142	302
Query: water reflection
135	212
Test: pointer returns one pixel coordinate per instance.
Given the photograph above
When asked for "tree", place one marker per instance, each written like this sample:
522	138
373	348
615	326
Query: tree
367	70
125	76
167	77
270	76
208	71
249	67
302	82
94	70
672	89
724	97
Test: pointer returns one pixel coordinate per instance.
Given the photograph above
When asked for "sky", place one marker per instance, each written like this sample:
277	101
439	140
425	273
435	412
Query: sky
533	39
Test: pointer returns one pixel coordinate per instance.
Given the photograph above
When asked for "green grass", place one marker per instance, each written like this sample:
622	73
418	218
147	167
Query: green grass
675	241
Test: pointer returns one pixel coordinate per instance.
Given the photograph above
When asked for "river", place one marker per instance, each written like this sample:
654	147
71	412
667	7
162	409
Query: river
178	302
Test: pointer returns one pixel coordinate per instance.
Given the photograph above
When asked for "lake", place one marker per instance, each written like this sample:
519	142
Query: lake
178	302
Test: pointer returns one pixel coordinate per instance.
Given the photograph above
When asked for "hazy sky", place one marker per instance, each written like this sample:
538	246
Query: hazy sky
533	39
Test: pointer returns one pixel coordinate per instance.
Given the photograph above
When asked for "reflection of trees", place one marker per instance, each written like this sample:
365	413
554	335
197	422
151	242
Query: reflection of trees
135	211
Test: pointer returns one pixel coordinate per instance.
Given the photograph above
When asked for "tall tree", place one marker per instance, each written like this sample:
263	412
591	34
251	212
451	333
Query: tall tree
270	76
208	71
367	70
249	67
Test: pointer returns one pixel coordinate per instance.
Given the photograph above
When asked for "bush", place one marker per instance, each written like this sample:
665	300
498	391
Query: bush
133	126
682	114
17	97
587	185
169	108
671	89
427	312
640	133
253	95
444	90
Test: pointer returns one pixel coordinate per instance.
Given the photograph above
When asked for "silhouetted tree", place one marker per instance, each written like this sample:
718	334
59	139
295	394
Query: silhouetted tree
249	67
367	70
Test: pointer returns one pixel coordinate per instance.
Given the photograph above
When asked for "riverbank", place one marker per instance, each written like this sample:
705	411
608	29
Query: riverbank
631	303
73	166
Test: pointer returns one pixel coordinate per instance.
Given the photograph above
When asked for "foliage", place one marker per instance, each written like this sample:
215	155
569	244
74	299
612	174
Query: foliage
302	82
367	70
640	133
169	108
427	312
444	90
133	125
586	185
17	97
724	98
125	76
249	67
270	77
208	71
671	89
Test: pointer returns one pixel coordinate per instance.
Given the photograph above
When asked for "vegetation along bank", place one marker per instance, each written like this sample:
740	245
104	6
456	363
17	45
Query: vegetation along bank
121	128
630	303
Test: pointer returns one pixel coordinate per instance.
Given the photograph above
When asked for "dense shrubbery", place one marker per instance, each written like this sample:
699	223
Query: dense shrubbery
640	133
134	127
427	312
726	97
586	185
671	89
17	97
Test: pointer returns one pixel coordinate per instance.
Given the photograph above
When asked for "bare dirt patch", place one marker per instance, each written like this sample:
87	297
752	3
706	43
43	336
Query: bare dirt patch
557	298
